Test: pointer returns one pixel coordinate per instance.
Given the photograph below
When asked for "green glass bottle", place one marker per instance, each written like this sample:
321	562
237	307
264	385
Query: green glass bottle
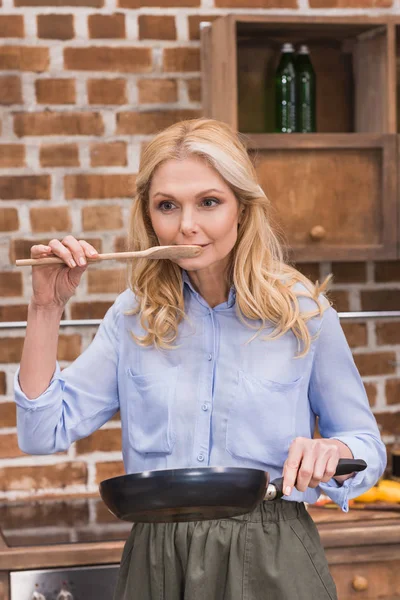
285	91
306	92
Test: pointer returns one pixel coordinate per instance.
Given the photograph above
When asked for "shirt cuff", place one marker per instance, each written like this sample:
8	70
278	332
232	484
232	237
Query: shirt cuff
44	400
340	493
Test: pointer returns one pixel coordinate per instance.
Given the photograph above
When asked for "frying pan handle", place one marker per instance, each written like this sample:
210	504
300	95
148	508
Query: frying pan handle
345	466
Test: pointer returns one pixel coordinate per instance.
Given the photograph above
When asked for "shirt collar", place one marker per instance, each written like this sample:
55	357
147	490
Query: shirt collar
232	292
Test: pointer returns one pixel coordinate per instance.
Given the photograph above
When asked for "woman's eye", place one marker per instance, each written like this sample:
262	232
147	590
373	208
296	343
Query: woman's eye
208	200
165	206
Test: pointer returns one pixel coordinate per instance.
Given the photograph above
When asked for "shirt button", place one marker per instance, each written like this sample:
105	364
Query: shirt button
204	407
200	457
209	357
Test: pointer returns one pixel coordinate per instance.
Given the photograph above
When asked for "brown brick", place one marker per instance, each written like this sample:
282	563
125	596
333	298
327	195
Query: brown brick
21	248
349	272
54	218
3	391
148	122
120	243
55	91
256	4
157	27
24	58
9	446
194	89
11	349
158	3
103	440
69	347
181	59
157	91
99	186
380	300
41	477
10	90
392	391
340	300
194	24
125	60
12	26
107	26
9	219
25	187
388	333
8	414
55	27
13	312
351	3
377	363
60	3
96	218
106	470
59	155
388	422
310	270
111	154
56	123
89	310
371	390
10	284
107	281
387	271
356	334
12	155
107	91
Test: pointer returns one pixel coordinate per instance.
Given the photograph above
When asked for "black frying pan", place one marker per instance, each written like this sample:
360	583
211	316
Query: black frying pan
195	494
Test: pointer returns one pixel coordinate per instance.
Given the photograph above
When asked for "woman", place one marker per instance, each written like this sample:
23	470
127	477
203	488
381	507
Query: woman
221	360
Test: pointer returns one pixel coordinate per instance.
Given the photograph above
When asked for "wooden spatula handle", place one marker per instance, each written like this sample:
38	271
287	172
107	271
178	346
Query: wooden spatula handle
54	260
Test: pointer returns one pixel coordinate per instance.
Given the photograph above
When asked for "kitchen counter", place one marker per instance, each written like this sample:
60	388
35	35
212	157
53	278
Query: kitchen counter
362	547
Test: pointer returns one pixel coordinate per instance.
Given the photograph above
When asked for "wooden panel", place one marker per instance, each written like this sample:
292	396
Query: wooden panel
344	184
4	586
371	90
382	580
218	55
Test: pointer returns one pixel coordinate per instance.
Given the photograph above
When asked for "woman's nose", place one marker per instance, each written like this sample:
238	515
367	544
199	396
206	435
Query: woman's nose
188	223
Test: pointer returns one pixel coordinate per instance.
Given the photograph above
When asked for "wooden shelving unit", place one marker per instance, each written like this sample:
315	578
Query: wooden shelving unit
334	192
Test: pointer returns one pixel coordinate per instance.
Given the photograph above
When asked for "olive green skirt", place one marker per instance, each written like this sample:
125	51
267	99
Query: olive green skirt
272	553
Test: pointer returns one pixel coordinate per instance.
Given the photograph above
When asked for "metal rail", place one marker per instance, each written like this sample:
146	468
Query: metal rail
378	314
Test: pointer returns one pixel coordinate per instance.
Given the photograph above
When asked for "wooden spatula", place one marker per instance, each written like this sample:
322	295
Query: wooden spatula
157	252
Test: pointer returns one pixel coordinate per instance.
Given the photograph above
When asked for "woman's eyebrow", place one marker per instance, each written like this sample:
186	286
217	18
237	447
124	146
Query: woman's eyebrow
197	195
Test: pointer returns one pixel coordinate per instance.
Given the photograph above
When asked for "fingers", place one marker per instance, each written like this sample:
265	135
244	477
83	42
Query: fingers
309	463
73	252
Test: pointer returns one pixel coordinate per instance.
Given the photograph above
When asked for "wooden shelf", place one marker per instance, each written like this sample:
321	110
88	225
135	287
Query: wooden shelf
334	193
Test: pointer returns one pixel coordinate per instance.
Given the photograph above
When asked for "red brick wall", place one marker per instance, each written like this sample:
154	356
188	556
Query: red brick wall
84	84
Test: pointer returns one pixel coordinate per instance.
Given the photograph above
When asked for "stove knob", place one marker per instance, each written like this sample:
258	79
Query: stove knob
38	596
64	595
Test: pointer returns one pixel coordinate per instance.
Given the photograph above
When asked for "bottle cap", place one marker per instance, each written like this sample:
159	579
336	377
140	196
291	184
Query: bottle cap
287	48
303	49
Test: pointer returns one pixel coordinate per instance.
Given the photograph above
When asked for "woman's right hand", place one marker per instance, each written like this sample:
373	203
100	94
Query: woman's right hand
53	285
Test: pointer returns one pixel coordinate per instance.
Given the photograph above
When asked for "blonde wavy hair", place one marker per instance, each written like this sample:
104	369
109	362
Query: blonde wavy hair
258	268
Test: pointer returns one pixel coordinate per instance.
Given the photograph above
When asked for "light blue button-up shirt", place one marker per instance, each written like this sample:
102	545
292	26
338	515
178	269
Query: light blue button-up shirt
214	401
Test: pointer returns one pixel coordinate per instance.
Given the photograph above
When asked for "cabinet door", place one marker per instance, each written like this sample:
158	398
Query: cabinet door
333	196
367	581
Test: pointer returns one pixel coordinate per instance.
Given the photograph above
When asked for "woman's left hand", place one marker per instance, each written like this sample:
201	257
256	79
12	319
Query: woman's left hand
312	461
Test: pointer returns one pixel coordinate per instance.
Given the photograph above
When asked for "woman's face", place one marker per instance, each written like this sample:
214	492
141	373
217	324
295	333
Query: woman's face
190	203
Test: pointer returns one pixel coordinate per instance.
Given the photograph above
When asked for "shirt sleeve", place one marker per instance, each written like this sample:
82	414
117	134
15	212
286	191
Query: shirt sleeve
79	399
337	395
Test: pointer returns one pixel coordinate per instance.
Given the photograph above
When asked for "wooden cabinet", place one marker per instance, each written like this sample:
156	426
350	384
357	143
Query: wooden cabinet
333	193
363	552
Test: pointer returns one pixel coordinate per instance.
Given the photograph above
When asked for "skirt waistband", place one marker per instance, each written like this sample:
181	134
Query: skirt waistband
273	511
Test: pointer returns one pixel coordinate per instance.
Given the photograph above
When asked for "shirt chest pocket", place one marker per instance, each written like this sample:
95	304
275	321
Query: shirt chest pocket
150	401
262	419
